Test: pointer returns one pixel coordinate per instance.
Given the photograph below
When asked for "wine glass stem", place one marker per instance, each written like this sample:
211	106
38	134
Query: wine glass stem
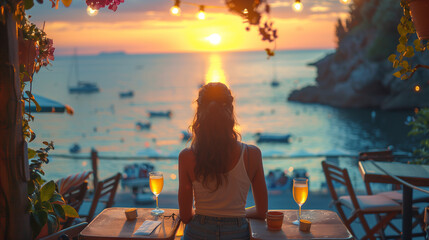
156	201
299	213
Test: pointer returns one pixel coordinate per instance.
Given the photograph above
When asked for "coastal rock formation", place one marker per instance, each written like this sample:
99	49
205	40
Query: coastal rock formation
358	73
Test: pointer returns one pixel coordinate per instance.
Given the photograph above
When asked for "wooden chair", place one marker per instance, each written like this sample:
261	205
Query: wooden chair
106	188
67	233
378	156
361	206
74	197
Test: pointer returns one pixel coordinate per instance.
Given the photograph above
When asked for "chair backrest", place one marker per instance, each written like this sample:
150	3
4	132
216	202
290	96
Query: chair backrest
106	188
337	175
378	155
74	197
67	233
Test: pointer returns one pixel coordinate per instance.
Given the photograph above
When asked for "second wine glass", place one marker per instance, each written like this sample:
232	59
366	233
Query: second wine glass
300	194
156	183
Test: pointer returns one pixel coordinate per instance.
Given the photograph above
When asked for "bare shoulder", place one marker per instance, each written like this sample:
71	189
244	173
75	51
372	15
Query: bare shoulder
254	151
186	156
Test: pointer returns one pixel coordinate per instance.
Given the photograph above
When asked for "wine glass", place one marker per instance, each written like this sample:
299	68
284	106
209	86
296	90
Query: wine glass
300	193
156	182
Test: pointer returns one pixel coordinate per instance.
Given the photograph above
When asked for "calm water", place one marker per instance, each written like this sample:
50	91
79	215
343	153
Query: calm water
170	82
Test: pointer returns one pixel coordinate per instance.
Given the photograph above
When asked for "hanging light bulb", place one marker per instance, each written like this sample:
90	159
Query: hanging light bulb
201	14
417	88
245	11
344	1
297	6
91	12
175	10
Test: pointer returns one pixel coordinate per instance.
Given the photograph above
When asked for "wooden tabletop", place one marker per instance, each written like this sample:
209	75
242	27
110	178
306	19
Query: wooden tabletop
112	224
415	174
324	225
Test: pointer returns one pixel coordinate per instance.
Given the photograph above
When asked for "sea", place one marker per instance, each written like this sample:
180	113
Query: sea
170	82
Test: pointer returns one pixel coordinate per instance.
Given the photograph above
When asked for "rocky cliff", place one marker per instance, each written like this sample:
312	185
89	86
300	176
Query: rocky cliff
358	73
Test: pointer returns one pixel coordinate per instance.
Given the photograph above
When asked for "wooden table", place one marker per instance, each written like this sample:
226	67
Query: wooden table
324	225
111	223
417	175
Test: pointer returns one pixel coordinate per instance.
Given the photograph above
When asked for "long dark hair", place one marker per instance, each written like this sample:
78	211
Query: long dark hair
214	136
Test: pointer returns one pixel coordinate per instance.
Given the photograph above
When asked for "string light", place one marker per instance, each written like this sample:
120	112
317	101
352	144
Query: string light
344	1
91	12
245	11
297	6
417	88
175	10
201	14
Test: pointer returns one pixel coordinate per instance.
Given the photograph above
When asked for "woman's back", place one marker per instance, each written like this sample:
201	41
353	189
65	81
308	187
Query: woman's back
218	170
229	200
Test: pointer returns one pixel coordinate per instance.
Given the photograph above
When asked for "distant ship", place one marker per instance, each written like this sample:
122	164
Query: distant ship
80	87
84	87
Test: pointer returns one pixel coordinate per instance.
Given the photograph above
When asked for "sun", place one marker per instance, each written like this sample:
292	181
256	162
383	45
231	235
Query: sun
214	39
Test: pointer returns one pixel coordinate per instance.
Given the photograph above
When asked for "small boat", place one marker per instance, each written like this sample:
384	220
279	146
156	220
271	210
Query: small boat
272	138
81	86
84	87
275	83
136	177
141	125
166	114
186	136
75	148
128	94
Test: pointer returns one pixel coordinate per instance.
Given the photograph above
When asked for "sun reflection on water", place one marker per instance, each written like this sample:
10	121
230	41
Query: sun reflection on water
215	71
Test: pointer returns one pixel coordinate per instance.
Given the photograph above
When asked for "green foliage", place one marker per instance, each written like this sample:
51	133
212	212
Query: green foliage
46	205
420	128
405	49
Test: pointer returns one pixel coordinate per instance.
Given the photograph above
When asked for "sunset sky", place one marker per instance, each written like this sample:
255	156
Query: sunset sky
146	26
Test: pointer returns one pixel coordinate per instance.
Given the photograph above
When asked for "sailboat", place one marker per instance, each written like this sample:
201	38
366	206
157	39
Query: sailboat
274	83
80	87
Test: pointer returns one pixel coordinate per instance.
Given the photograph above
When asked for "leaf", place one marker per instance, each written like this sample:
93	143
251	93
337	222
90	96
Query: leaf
397	74
401	30
46	143
58	209
32	135
40	217
405	64
31	153
395	64
403	40
35	226
417	43
28	4
47	191
410	52
70	211
400	48
392	58
52	223
30	95
30	187
47	206
57	198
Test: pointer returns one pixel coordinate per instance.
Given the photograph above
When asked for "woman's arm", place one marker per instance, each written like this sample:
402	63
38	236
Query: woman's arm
185	185
259	188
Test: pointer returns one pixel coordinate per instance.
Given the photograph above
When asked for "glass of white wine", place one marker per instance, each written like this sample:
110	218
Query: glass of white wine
156	183
300	194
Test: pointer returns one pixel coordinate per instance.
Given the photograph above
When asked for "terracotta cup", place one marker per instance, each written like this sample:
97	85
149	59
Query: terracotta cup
274	220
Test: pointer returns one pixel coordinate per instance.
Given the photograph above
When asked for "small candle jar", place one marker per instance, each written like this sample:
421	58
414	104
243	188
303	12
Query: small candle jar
274	220
131	214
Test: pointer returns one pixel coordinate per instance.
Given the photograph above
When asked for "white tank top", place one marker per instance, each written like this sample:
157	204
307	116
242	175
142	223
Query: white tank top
229	200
